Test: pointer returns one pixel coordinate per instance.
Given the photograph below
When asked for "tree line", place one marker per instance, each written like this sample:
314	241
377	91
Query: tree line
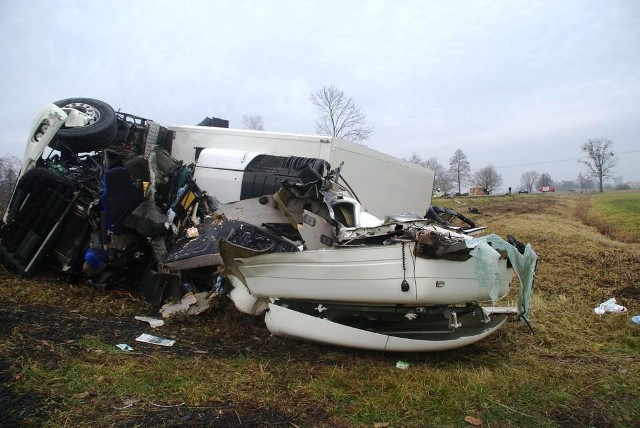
600	162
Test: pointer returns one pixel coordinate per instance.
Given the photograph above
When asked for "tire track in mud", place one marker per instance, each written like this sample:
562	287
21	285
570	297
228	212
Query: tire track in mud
52	336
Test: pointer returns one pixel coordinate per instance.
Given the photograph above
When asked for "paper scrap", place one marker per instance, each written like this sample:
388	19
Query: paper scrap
154	340
172	308
154	323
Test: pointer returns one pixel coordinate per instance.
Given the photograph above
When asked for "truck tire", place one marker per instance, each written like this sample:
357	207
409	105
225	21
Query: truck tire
98	134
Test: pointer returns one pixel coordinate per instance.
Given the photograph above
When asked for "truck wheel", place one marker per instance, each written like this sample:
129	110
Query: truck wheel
100	132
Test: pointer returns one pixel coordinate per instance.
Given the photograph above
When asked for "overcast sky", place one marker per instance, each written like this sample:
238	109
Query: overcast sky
519	85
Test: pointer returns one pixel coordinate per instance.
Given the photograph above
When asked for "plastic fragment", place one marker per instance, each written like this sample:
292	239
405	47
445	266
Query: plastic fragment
636	319
487	269
609	306
153	322
523	264
402	365
124	347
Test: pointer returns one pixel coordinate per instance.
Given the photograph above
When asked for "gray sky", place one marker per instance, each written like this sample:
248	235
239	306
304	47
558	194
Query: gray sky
516	84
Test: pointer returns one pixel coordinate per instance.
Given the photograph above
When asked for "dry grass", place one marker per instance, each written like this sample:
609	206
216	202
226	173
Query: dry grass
578	369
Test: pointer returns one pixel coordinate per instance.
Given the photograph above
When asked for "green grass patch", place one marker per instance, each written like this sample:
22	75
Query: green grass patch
618	213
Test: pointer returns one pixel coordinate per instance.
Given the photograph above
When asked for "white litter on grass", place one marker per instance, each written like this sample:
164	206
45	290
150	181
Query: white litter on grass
153	322
191	304
609	306
402	365
154	340
172	308
124	347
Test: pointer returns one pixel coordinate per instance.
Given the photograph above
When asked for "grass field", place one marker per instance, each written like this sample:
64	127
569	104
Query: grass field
59	365
618	213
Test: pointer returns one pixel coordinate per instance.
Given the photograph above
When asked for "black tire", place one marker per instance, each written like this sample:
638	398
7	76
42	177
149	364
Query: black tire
98	134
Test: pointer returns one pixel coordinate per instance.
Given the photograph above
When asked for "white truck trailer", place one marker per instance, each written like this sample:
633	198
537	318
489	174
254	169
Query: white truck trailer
383	184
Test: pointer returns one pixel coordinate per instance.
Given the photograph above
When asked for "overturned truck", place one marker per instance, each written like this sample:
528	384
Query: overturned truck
267	219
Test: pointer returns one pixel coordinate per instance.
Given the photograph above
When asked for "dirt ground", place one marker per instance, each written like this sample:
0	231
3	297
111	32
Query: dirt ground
39	329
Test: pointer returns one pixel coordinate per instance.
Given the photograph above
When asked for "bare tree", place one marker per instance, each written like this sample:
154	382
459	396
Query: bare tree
441	179
9	170
415	158
566	185
459	169
545	180
253	121
488	178
601	162
584	182
339	115
528	180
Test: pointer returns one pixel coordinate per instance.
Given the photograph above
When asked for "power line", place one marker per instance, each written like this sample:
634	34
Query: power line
559	160
538	163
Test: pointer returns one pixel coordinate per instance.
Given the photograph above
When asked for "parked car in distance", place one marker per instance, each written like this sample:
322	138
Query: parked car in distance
523	191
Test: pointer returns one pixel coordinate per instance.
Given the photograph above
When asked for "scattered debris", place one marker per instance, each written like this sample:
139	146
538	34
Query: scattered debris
203	302
609	306
636	319
124	347
154	340
402	365
473	421
190	304
153	322
181	306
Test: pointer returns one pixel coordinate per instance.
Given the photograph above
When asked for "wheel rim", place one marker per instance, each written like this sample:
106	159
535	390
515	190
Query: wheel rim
87	109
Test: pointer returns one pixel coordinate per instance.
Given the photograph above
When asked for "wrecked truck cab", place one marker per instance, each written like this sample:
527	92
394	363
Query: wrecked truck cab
398	286
291	237
81	202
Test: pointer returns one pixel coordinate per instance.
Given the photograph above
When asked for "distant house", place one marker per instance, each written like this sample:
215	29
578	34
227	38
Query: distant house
477	191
